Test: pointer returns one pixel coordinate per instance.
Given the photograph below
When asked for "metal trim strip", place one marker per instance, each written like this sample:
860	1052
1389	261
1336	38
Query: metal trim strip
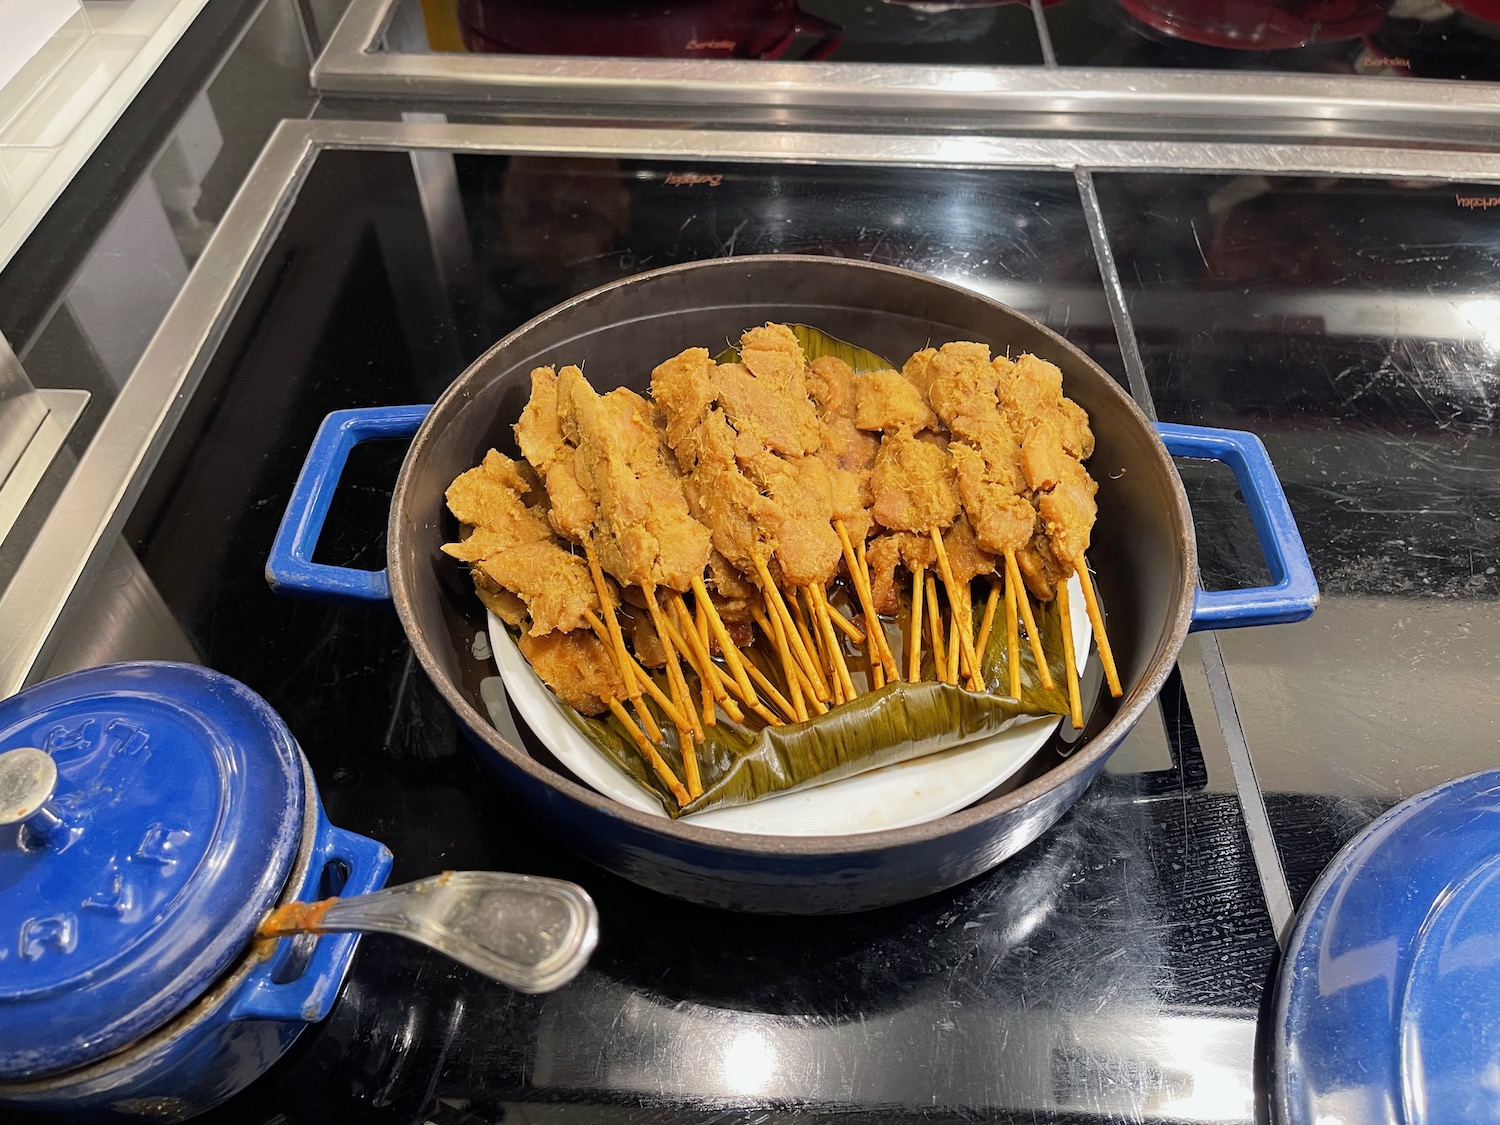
113	470
353	63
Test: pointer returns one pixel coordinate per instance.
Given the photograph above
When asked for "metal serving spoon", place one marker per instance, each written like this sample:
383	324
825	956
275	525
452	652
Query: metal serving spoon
531	933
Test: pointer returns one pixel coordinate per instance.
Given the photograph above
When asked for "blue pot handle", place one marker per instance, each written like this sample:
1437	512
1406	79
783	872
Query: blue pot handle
310	995
1294	593
290	569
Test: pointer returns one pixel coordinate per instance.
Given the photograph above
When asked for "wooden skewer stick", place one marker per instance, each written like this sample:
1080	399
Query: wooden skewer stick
1075	704
726	643
606	603
690	643
1012	638
704	668
813	640
710	712
818	705
843	624
1013	572
914	666
859	575
647	719
681	695
659	696
935	631
788	662
958	601
838	664
657	762
771	693
970	667
779	609
1096	619
955	627
809	620
696	650
624	663
988	621
887	657
810	642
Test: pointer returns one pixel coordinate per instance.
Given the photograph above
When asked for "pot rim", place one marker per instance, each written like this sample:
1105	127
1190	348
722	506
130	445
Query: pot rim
1081	760
212	998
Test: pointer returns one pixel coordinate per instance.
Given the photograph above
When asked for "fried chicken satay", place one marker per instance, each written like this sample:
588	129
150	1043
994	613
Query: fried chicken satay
519	564
849	454
1055	440
987	456
573	512
642	531
747	434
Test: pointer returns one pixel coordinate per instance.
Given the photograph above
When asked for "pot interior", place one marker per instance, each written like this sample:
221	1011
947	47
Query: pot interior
1143	551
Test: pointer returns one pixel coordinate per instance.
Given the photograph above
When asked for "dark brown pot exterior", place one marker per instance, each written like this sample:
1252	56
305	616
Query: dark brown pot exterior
1144	552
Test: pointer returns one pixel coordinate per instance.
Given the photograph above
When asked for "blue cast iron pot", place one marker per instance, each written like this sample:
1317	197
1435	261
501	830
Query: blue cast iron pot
131	983
1144	547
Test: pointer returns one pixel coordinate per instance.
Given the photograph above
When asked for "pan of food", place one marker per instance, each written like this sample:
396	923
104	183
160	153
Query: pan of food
792	584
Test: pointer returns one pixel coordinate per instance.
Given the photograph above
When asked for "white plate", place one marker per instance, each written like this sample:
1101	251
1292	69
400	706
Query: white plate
893	796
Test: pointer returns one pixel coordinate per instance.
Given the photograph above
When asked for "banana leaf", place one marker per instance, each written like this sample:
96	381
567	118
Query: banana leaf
816	344
897	723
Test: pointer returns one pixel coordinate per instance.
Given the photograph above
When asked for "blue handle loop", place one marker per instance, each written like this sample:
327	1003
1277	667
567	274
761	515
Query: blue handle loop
290	569
309	996
1293	594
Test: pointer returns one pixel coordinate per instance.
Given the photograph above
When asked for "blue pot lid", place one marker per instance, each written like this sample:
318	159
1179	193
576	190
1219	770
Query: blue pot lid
173	825
1388	1005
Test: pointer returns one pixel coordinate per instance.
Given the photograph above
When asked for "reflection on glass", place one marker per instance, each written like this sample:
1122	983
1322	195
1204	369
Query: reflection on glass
952	32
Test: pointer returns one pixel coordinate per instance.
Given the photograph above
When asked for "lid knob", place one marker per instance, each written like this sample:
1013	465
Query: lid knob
27	778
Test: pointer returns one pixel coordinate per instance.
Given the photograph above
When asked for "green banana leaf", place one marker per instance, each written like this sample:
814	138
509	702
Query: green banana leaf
896	723
816	344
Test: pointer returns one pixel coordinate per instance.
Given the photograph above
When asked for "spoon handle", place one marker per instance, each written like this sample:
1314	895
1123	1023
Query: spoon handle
531	933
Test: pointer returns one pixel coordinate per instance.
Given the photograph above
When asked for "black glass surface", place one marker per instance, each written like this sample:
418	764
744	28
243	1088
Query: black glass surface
1114	971
1380	38
990	32
1403	39
1353	325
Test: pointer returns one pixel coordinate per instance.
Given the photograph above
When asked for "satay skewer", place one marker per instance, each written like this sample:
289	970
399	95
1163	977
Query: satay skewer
660	697
836	618
958	604
710	711
789	669
859	576
1012	639
935	631
606	604
955	626
914	666
799	649
891	666
656	761
1096	619
1033	635
698	653
772	692
726	642
810	641
723	687
1075	704
835	650
809	695
987	622
680	692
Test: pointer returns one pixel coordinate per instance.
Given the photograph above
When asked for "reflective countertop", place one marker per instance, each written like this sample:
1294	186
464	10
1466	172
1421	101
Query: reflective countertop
1119	969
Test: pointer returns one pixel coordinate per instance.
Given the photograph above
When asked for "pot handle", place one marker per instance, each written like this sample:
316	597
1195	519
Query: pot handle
1294	593
289	568
309	994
